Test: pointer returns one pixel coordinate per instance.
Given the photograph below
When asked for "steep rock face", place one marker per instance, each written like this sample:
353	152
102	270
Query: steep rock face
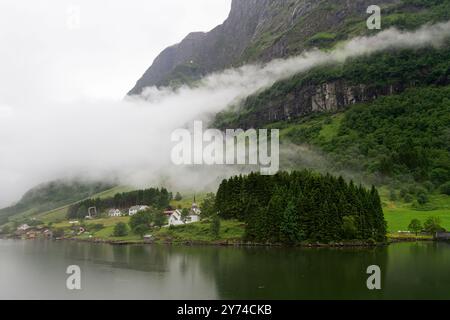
255	30
202	53
331	96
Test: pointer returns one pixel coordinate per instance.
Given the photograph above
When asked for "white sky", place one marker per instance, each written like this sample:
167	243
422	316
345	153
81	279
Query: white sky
43	57
52	67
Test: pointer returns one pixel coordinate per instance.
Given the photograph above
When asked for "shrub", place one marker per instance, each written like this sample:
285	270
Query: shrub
140	218
392	195
408	198
141	229
429	186
432	225
6	230
422	198
208	205
96	227
215	226
445	188
403	193
58	233
415	226
120	230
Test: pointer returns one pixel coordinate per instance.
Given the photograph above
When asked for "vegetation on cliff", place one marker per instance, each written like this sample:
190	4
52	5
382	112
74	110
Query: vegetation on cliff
397	140
384	73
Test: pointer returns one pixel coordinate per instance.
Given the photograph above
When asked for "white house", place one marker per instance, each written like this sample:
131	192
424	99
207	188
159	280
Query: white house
175	218
135	209
193	218
114	213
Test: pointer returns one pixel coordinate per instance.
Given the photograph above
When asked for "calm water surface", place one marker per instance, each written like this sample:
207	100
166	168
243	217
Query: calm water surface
36	270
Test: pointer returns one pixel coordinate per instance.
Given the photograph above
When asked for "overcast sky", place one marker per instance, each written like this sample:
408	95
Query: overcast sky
65	50
65	68
62	62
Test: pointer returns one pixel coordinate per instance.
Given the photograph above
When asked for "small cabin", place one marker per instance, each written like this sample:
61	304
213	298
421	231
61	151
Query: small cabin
148	238
114	213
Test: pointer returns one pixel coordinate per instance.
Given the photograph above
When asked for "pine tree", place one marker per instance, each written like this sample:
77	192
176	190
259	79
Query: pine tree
290	233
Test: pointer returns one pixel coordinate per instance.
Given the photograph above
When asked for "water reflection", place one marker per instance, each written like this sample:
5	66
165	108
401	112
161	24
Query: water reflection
34	269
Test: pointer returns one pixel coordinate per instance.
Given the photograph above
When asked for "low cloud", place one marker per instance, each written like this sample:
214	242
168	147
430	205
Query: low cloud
130	140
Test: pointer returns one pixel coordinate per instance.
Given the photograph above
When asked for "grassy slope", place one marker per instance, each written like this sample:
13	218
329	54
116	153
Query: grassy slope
49	196
399	214
59	214
187	200
230	230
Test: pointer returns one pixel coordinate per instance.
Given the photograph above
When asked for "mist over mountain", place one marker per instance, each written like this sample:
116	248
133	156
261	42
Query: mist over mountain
296	65
317	100
255	30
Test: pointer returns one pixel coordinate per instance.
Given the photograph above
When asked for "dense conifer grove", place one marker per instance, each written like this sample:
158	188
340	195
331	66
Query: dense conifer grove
158	198
302	206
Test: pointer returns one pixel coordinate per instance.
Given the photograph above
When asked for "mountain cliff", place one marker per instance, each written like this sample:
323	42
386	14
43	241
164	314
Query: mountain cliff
256	30
329	108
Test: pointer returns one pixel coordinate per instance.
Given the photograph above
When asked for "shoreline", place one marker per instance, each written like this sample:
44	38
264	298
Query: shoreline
227	243
250	244
238	243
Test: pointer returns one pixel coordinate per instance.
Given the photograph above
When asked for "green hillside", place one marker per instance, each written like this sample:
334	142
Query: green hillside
51	198
383	73
397	140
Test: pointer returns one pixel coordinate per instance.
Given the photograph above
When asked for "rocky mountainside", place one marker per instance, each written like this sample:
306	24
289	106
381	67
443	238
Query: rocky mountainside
257	30
384	116
335	88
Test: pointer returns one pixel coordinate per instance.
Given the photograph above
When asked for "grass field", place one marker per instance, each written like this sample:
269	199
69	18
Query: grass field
408	236
107	222
398	214
106	233
230	230
187	200
112	192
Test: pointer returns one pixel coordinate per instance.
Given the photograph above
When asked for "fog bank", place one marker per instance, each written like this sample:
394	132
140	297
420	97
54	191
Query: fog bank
130	140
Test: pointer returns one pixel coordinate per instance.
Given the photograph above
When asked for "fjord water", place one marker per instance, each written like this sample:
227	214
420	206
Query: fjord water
36	270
